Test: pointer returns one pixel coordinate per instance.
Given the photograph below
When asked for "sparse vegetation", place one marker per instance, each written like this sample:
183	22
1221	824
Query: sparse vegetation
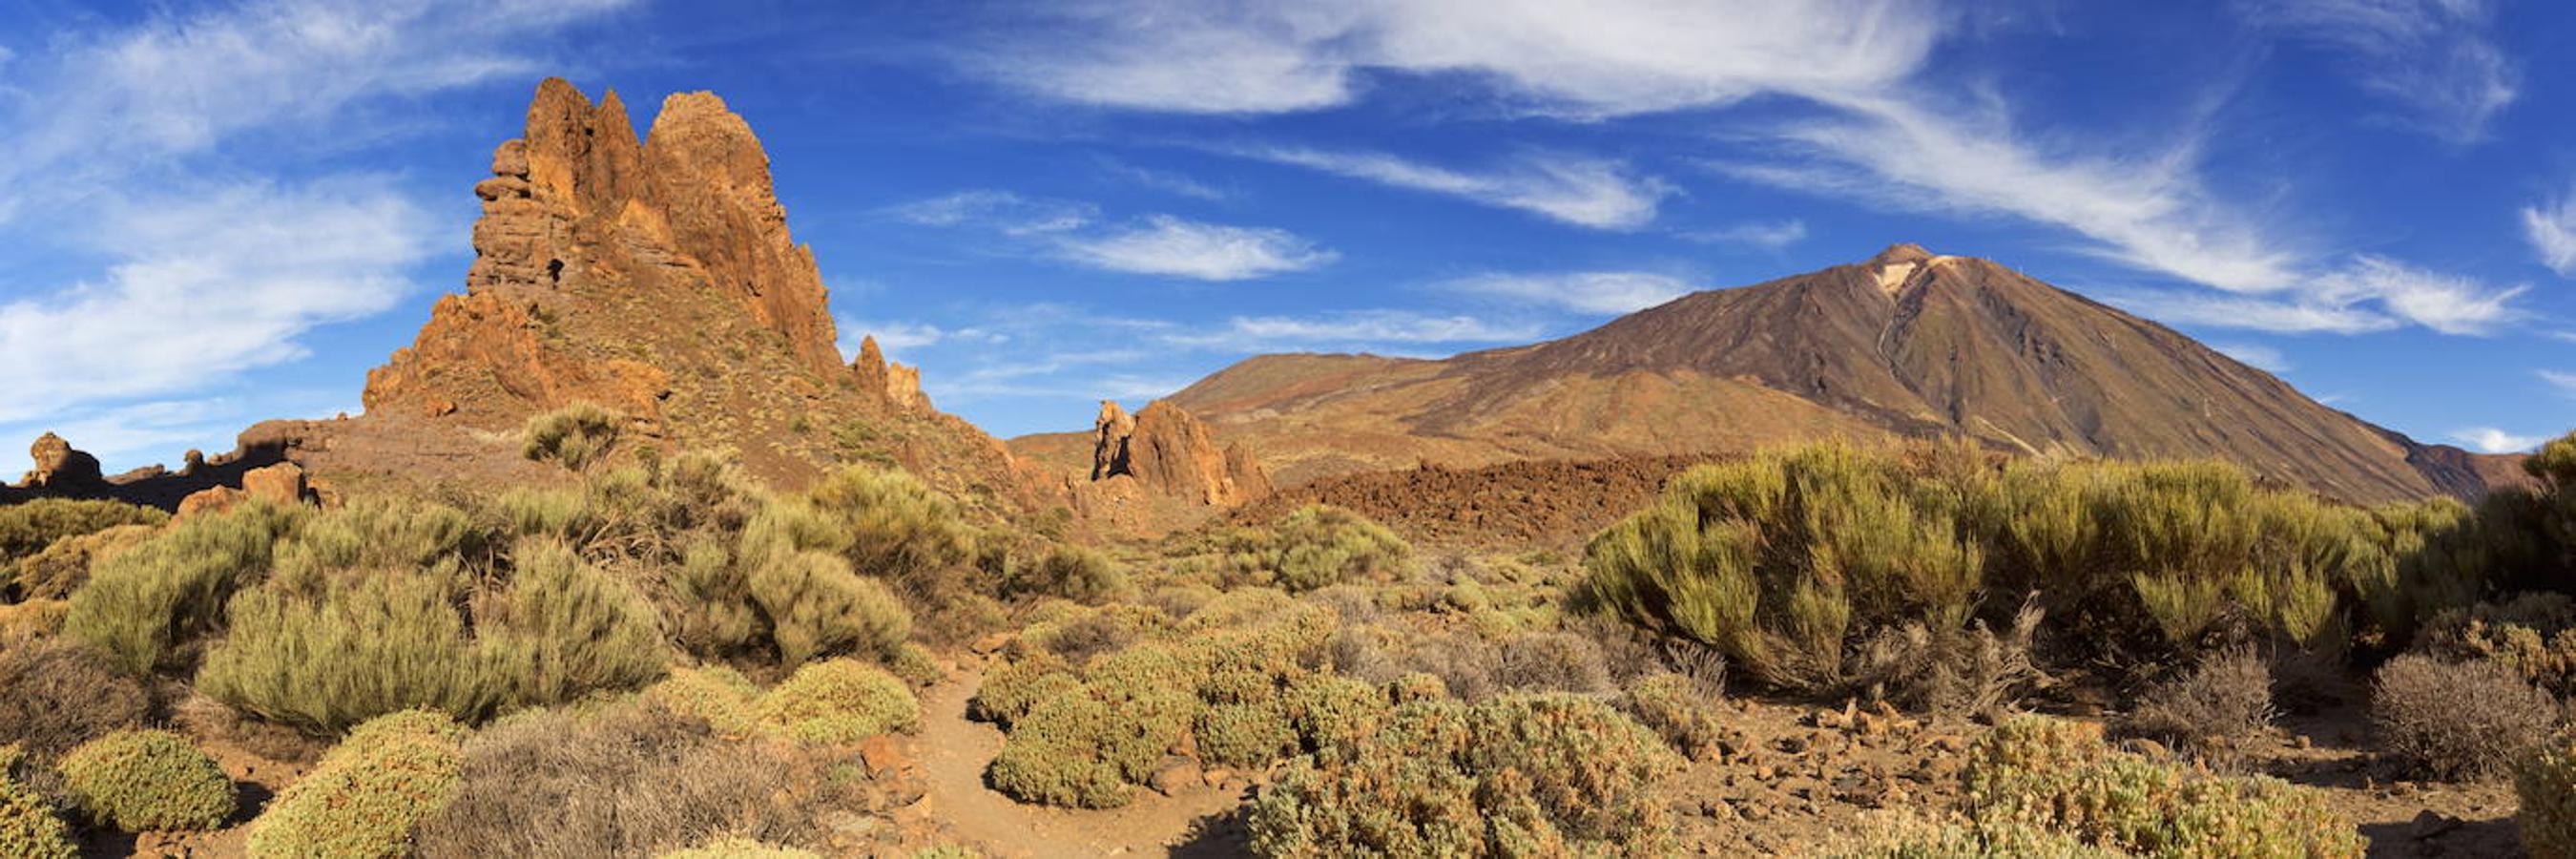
2225	699
140	781
58	694
2458	720
574	436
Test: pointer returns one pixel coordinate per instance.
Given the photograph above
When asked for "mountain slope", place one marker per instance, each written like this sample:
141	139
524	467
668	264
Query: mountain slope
1904	344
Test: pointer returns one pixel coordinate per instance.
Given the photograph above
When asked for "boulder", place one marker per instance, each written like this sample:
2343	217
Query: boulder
60	468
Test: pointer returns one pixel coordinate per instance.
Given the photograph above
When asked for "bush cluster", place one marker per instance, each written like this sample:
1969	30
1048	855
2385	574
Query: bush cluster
1786	560
28	826
63	567
2545	784
1546	774
27	527
2059	776
840	701
58	694
2458	720
368	795
573	436
1672	706
149	605
140	781
1312	547
2226	698
1077	573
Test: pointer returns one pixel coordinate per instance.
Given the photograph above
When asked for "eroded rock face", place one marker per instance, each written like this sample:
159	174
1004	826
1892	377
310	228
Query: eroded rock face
1168	452
899	385
60	468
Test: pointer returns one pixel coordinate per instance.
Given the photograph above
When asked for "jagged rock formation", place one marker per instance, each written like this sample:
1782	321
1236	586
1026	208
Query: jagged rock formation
61	469
656	277
258	469
1169	452
1907	343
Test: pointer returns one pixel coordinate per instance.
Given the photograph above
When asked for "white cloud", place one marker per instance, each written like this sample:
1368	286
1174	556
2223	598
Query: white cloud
1160	180
1586	192
899	337
2434	57
1167	245
1602	59
2446	303
2563	381
1361	327
2254	314
1766	236
1001	211
2492	440
1598	292
206	284
2551	229
2258	356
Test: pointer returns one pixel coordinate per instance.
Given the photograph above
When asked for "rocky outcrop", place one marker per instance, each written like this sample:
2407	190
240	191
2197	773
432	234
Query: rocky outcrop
899	385
1170	453
61	469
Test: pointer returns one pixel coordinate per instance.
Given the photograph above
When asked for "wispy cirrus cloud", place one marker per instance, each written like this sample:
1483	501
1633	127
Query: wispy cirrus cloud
1178	247
2564	381
1769	236
1166	181
2493	440
1000	211
1353	328
1588	292
2551	229
2370	294
2435	58
2252	313
1583	191
2256	355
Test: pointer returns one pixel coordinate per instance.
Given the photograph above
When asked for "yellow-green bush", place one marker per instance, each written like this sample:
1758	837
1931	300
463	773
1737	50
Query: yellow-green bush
145	605
2545	784
2060	776
1912	837
1670	705
817	607
366	797
1055	755
891	525
735	847
62	568
28	826
563	628
27	527
1010	691
1783	561
574	436
1076	573
140	781
1518	775
716	695
839	701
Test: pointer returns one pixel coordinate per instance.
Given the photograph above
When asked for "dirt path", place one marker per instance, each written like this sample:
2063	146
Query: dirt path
954	752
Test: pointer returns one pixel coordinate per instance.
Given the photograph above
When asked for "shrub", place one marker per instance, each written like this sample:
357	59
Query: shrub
145	605
1009	692
1076	573
2534	634
28	826
140	781
624	781
2060	776
1912	837
737	847
369	794
2226	698
573	436
840	701
34	619
1672	706
1054	755
58	694
1247	735
394	641
817	607
63	567
1519	775
563	628
893	526
716	695
2458	720
1553	662
27	527
2546	786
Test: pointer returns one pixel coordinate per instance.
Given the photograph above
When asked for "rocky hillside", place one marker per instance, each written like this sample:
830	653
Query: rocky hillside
1907	343
656	277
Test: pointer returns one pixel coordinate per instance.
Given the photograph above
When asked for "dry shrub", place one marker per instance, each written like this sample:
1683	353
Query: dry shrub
1312	547
2060	776
25	622
2458	720
574	436
1913	836
58	694
2225	699
63	567
1464	664
627	781
2534	634
141	781
738	847
1677	708
1553	662
1955	673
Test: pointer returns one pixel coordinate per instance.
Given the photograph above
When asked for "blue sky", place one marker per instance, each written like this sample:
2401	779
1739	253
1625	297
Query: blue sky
218	213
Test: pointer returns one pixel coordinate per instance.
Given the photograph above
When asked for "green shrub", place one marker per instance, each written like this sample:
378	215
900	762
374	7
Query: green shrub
58	694
2060	776
1321	545
62	568
892	526
147	605
1913	837
27	527
1672	706
840	701
563	628
1518	775
366	797
1054	755
736	847
716	695
28	826
139	781
2458	720
394	640
1076	573
574	436
2545	784
1247	735
1009	692
817	607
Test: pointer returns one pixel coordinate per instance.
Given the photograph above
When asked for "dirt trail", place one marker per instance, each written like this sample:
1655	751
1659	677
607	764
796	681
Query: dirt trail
953	753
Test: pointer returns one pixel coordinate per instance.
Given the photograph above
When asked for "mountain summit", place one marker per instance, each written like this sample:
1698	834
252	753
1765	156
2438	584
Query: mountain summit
1905	343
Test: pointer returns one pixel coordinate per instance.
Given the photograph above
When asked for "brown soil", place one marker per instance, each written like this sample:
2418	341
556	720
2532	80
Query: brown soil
1540	504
